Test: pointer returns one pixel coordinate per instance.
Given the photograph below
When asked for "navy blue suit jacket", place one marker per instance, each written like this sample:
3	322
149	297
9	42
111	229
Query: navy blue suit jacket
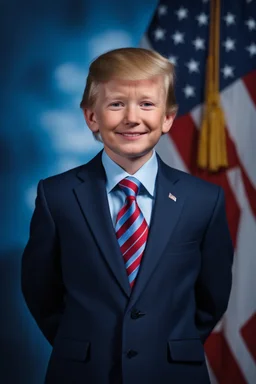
75	283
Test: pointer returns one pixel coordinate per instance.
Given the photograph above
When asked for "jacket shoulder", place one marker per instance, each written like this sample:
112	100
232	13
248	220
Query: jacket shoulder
71	176
194	184
196	181
63	176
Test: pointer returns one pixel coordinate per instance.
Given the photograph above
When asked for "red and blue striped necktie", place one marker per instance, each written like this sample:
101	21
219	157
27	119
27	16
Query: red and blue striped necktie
131	228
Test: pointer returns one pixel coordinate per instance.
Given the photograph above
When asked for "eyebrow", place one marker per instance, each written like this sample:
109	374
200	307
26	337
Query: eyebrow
120	96
116	96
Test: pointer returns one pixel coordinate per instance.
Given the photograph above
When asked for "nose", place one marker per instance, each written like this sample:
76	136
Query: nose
132	116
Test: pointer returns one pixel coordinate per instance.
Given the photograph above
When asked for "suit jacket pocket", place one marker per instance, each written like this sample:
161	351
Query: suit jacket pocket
71	349
186	350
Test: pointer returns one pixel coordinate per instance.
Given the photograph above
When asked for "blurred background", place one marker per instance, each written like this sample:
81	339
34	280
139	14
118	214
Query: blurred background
46	50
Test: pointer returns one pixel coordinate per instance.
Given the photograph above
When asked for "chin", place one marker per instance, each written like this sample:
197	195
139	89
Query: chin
129	151
135	153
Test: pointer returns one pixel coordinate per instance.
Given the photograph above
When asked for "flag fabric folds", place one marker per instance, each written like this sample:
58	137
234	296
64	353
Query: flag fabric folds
180	30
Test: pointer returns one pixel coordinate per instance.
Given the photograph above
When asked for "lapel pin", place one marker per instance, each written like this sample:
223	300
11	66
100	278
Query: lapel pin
172	197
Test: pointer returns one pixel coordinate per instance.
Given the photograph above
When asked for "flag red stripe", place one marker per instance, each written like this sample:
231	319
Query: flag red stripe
250	83
222	360
184	135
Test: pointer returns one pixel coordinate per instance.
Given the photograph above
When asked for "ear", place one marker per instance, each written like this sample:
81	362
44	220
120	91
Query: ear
168	121
91	119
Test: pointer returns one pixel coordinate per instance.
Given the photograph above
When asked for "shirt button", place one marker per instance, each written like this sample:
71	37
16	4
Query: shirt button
131	353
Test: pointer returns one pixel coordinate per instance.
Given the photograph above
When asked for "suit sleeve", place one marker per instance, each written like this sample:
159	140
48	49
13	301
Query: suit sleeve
41	278
213	285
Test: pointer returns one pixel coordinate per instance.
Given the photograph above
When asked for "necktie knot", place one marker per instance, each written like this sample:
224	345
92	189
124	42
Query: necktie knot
131	186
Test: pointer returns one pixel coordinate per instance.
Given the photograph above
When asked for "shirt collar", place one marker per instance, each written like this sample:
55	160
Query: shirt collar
146	174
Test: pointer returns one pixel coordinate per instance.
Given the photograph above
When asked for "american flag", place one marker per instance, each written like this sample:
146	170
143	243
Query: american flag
180	31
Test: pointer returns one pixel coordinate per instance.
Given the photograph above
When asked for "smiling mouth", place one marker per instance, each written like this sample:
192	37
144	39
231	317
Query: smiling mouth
131	134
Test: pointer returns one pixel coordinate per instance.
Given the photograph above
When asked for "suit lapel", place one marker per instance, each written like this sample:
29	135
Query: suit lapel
165	215
92	198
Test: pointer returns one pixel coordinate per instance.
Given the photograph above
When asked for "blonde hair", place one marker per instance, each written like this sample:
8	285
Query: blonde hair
129	64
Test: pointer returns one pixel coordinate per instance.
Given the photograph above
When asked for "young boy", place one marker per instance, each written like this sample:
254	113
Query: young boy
128	266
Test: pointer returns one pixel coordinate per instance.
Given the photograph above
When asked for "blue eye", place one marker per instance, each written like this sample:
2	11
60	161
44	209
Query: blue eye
116	104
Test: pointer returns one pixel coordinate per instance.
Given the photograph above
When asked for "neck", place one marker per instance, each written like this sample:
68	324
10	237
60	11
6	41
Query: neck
131	164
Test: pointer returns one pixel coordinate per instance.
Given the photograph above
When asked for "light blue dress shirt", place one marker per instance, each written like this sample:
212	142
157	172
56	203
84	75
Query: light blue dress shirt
116	197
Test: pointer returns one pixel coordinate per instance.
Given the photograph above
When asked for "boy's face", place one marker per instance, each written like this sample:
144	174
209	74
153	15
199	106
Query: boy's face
130	117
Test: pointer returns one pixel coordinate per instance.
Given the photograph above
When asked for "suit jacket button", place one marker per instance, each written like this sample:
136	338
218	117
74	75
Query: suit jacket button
131	353
135	314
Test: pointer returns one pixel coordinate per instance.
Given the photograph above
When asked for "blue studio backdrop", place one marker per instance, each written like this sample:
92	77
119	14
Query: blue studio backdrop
46	48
